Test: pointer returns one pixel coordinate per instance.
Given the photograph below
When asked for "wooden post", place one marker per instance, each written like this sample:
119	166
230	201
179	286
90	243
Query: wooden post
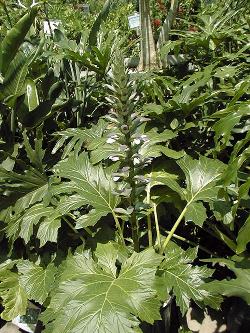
148	57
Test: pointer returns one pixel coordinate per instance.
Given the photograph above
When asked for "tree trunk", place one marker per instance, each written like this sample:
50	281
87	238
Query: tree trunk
148	57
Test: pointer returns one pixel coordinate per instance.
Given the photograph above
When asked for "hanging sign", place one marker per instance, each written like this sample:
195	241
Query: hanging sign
134	21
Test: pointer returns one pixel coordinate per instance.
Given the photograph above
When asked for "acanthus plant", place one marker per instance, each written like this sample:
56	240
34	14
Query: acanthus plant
87	240
107	283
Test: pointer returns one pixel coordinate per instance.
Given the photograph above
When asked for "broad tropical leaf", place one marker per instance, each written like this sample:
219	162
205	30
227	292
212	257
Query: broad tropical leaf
243	236
22	183
201	178
36	281
50	223
31	282
13	84
151	147
186	281
77	138
196	212
201	184
229	119
240	286
14	38
93	184
14	298
95	297
97	24
184	99
25	191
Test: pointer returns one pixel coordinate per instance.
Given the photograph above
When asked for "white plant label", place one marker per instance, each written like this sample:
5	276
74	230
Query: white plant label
134	21
85	8
50	26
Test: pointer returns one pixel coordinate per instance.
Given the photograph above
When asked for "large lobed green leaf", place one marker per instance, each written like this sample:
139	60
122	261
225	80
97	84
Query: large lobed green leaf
93	184
186	281
74	139
94	297
14	298
36	281
239	286
50	223
89	185
31	282
33	188
201	177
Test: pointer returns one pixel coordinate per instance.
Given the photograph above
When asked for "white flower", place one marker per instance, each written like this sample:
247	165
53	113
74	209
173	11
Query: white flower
114	158
136	160
137	141
110	140
144	138
140	139
115	179
123	148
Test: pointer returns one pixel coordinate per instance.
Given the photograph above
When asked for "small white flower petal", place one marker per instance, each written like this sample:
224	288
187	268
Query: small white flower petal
110	140
136	161
114	158
137	141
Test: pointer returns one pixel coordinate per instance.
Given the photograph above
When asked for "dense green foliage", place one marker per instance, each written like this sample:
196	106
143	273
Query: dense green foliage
120	189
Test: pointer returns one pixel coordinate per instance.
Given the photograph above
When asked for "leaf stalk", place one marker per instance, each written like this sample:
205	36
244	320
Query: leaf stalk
158	234
118	226
149	222
74	229
172	231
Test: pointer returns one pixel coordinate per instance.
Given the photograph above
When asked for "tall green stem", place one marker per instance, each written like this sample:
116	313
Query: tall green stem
78	80
13	124
172	231
65	79
131	181
118	226
74	229
78	97
134	223
149	222
158	234
191	243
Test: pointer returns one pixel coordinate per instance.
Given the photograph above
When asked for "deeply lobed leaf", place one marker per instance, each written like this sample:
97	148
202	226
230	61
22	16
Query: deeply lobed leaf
96	297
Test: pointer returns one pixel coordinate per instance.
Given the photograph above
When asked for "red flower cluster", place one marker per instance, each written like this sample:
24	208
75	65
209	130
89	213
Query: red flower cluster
157	22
